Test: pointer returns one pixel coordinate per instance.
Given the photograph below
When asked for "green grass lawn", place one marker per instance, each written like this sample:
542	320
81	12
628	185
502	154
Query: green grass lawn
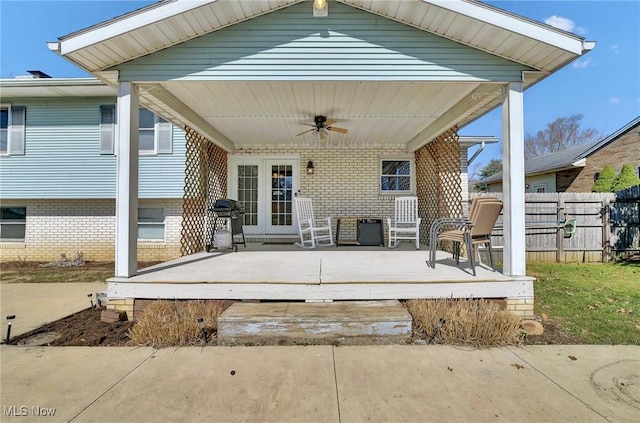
599	303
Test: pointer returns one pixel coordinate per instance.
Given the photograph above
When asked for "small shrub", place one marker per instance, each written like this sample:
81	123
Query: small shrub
627	178
605	181
174	323
468	322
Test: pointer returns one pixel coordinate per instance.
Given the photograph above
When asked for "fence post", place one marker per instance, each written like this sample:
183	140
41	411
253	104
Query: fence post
606	231
559	237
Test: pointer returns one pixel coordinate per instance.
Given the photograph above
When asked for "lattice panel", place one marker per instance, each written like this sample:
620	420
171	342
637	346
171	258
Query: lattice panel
205	181
438	180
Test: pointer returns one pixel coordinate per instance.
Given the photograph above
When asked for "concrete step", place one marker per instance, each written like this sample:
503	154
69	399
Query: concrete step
314	320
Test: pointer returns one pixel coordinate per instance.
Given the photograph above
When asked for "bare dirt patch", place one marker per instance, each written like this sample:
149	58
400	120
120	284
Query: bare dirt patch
80	329
86	329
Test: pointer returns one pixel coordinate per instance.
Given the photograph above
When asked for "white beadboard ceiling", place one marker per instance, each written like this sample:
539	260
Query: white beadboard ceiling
246	113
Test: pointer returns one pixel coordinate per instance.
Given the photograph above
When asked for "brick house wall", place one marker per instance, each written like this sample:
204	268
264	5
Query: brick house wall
55	227
346	181
623	150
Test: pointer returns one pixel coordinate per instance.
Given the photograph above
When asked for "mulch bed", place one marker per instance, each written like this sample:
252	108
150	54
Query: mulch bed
86	329
80	329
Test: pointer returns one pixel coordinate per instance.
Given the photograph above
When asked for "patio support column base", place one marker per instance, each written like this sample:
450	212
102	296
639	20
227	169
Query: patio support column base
521	306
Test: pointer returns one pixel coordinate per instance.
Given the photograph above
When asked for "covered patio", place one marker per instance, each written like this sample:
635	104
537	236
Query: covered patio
286	273
245	78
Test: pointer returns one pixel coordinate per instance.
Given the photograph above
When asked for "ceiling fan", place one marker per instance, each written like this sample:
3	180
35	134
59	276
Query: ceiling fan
321	125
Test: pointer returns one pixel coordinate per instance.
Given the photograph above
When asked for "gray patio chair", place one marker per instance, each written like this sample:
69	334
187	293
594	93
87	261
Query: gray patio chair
313	232
447	222
472	232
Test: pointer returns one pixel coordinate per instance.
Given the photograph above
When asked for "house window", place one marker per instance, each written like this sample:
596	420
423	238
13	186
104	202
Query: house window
540	188
12	130
4	130
150	224
397	176
107	129
13	224
596	176
154	133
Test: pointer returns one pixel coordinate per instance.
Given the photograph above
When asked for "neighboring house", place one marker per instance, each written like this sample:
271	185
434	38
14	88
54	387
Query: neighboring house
58	173
244	78
58	178
576	169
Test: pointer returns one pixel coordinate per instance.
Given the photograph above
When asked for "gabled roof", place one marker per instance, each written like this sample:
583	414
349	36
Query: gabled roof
421	101
597	146
569	158
469	22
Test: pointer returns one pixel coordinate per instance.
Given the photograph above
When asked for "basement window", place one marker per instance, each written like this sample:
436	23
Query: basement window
13	224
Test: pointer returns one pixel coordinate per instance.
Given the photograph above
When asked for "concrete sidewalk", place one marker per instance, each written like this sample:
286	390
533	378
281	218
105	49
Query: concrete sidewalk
322	384
304	384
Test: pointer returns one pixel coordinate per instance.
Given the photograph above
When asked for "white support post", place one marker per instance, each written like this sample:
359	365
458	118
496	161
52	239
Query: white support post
127	181
514	255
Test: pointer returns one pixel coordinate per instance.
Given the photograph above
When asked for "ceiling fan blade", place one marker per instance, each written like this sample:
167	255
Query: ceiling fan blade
304	132
336	129
323	134
330	122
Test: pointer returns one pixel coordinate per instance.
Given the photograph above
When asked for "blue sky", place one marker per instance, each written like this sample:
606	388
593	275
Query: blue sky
604	85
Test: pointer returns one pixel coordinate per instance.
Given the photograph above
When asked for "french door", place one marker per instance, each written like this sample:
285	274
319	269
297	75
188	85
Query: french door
266	188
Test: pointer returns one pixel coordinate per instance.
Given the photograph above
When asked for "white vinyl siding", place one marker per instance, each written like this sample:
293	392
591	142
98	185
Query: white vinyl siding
151	223
397	176
13	224
349	44
63	140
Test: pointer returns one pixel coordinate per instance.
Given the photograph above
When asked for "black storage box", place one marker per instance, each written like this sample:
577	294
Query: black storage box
370	232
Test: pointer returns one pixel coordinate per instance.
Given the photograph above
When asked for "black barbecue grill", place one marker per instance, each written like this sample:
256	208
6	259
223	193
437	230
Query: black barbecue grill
229	212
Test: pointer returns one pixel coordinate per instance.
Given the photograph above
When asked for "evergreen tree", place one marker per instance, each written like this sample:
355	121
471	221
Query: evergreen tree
605	181
627	178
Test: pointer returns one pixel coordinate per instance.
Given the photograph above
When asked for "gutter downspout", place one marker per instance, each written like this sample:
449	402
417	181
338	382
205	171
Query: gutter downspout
477	153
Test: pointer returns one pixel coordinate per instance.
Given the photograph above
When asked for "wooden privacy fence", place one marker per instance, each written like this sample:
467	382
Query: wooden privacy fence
607	226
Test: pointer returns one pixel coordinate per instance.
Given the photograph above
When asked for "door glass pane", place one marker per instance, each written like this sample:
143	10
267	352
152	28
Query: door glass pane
281	195
248	193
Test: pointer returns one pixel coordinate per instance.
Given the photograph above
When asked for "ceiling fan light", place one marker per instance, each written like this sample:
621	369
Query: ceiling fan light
319	4
320	8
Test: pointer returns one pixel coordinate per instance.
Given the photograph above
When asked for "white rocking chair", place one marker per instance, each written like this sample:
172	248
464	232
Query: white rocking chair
313	232
406	224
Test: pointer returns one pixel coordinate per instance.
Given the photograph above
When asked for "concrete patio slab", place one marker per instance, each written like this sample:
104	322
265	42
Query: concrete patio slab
67	379
35	304
267	384
607	379
229	267
447	384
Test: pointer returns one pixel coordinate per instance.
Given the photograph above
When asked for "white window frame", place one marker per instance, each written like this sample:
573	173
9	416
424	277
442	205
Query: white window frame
15	134
22	222
6	130
157	121
536	187
412	175
164	224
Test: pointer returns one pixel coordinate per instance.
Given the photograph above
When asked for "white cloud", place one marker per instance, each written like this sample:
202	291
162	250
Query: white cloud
614	100
560	22
582	64
614	48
